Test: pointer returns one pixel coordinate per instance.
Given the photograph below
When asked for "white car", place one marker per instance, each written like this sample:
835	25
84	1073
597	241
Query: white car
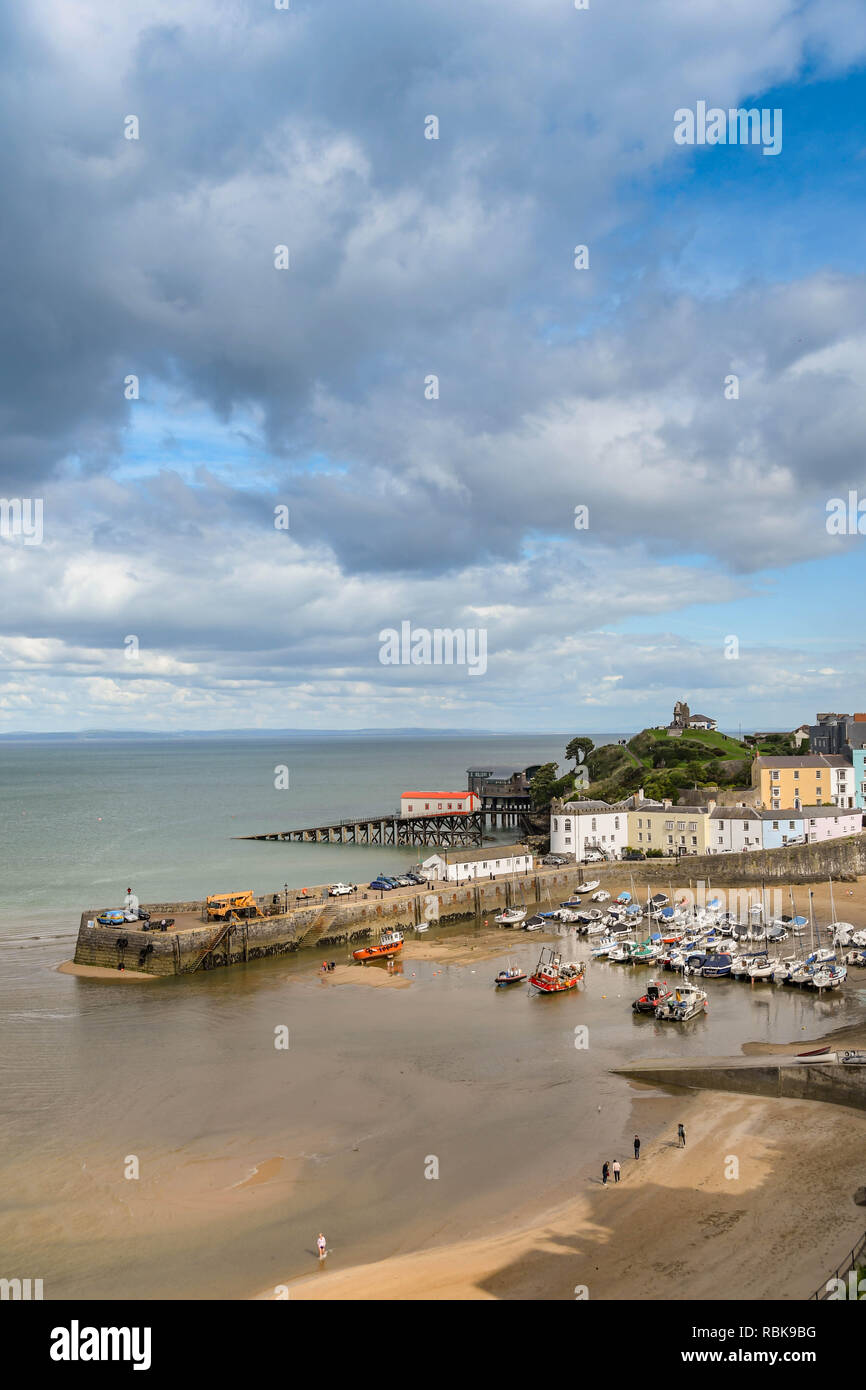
337	890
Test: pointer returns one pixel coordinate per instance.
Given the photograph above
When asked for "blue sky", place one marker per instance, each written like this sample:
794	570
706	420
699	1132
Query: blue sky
412	258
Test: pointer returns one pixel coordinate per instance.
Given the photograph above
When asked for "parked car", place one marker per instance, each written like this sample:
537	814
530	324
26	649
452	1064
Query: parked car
337	890
384	884
554	859
135	914
115	918
416	878
404	881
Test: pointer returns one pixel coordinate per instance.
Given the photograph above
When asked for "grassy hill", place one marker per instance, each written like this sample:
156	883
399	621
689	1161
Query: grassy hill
665	766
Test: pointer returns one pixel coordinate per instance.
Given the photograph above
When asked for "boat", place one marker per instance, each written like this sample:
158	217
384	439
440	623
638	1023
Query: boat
601	897
388	945
716	966
571	902
857	958
511	975
621	952
623	899
646	953
535	923
853	1058
687	1002
587	887
552	977
762	968
831	975
657	992
510	917
816	1052
603	947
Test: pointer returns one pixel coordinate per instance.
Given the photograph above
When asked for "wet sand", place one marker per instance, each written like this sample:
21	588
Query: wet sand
101	972
375	975
675	1227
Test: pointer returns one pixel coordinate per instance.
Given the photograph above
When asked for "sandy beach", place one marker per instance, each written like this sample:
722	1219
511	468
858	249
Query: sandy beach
675	1227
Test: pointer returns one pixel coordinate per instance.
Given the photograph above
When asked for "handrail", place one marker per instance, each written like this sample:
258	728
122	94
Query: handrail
224	928
849	1263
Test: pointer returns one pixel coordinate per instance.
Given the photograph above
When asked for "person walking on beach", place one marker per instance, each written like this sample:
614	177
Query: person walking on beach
322	1245
636	1148
681	1136
604	1174
616	1170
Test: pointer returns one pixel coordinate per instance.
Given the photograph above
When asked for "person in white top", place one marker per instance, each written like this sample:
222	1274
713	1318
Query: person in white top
322	1246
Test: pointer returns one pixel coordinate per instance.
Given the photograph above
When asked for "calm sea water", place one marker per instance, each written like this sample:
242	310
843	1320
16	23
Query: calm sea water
79	822
182	1076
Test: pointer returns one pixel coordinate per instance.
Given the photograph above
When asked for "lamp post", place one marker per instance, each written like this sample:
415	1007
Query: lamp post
285	897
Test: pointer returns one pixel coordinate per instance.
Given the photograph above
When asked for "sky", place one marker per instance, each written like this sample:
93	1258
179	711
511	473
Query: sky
397	419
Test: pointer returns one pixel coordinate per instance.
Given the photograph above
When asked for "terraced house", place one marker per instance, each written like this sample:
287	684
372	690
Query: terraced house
812	779
672	829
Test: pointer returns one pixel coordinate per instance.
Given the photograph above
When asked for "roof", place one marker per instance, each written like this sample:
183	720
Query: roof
708	717
576	808
467	856
735	813
804	760
437	794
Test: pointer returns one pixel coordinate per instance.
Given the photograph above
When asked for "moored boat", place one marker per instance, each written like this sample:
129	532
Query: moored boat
510	917
511	975
657	992
551	976
390	943
687	1002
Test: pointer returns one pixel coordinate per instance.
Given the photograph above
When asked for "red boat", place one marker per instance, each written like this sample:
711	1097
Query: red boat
657	992
552	977
390	943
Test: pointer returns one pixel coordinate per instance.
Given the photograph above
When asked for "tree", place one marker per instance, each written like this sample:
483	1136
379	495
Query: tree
579	749
542	785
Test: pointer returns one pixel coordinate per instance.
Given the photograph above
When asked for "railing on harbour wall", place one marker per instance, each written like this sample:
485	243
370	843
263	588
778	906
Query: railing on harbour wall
841	1271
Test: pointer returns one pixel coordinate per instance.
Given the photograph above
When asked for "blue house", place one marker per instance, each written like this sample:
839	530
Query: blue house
859	756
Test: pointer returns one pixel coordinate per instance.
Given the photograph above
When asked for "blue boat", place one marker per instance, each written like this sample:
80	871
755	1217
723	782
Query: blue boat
714	967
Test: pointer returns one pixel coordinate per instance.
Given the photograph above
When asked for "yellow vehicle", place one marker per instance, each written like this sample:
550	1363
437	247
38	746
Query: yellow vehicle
220	906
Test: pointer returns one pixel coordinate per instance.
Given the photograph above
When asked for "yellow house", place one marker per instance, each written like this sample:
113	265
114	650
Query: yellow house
672	829
815	779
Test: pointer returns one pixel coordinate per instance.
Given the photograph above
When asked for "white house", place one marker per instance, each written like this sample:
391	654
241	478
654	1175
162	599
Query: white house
844	790
733	829
463	865
439	803
580	826
830	822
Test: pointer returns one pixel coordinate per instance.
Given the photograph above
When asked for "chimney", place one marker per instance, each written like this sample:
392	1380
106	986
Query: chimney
711	806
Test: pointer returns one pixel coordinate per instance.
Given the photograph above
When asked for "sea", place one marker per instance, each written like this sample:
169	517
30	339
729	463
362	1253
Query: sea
188	1138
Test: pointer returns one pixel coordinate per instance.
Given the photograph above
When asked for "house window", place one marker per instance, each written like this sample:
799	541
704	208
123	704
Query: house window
426	805
796	776
440	805
640	834
813	822
694	839
721	839
566	825
693	825
775	776
616	822
484	865
649	839
594	826
775	825
791	825
670	839
745	825
719	824
669	825
681	825
555	824
568	839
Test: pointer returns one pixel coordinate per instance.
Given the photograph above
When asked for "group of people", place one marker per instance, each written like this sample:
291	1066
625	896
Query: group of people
329	965
616	1169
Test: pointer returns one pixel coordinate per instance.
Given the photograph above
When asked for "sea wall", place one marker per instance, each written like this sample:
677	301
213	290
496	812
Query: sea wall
322	921
825	1081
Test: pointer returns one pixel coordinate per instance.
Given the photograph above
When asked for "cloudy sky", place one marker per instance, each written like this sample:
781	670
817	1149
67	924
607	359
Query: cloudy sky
307	388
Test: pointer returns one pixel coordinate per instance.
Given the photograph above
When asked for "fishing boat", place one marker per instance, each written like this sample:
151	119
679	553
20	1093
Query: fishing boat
510	917
552	977
657	992
511	975
687	1002
389	944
